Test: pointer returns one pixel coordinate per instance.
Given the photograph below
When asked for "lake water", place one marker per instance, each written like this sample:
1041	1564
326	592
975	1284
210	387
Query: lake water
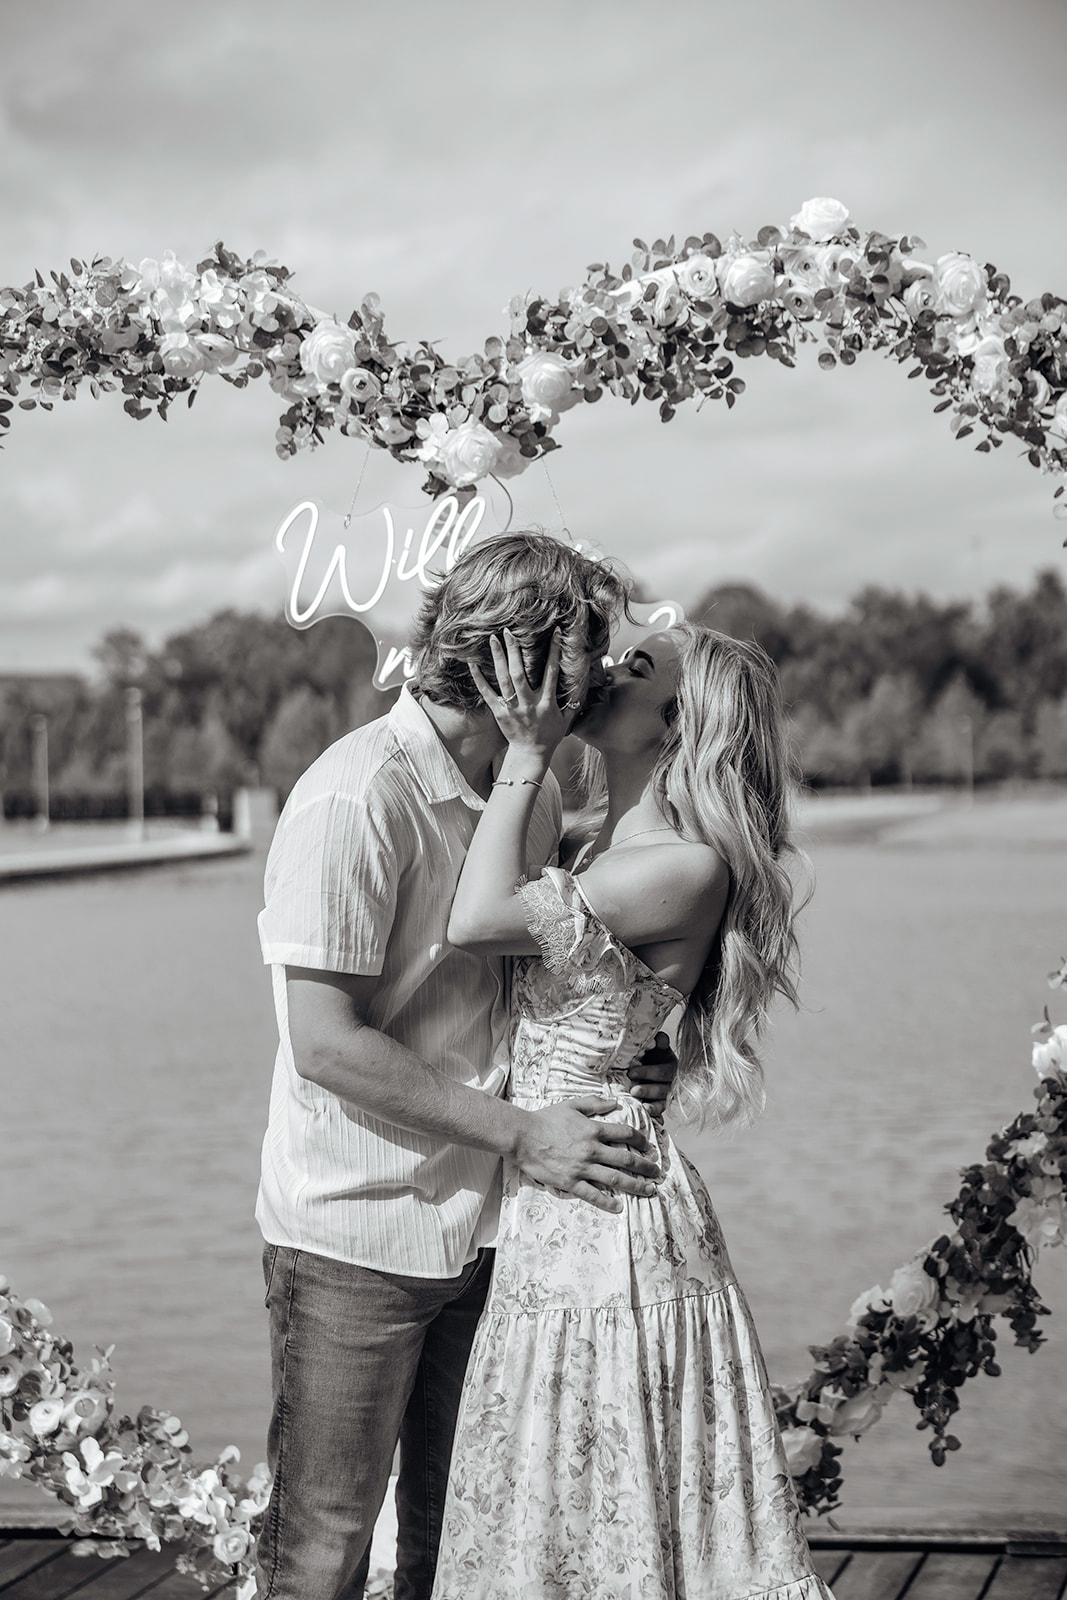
138	1043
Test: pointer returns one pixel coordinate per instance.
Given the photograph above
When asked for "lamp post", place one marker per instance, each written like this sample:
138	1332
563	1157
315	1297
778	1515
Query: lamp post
966	725
39	732
135	763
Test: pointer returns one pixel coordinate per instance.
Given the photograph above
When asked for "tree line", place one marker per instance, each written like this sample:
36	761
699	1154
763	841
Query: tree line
897	689
903	689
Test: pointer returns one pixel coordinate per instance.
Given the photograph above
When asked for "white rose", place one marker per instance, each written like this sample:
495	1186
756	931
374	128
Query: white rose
990	358
858	1413
216	351
1038	386
328	352
870	1300
800	301
919	296
546	381
914	1293
835	262
181	355
697	277
45	1417
1051	1055
960	284
7	1336
11	1370
171	290
232	1546
468	453
668	305
821	218
747	280
360	385
803	1449
804	266
968	335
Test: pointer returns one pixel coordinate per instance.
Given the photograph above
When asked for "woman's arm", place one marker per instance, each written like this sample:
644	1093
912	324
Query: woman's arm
487	915
657	892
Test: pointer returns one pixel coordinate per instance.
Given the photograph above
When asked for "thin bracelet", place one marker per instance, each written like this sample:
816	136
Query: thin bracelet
510	782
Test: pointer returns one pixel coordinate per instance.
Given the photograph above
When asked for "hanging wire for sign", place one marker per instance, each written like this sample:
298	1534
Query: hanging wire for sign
562	520
359	485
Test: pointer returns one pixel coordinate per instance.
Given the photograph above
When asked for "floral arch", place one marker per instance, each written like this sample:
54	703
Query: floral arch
674	325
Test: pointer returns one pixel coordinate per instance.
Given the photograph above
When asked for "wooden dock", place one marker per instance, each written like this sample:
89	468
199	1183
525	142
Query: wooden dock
890	1565
878	1566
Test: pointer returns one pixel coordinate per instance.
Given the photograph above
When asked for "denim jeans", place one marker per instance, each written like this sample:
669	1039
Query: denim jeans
361	1359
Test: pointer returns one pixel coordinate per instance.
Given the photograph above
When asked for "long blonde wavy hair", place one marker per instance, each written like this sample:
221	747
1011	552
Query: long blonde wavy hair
725	775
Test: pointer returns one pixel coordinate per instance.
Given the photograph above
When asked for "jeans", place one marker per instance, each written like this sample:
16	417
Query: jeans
361	1359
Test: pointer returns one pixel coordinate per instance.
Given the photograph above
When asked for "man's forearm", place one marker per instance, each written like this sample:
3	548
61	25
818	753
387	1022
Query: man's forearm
390	1082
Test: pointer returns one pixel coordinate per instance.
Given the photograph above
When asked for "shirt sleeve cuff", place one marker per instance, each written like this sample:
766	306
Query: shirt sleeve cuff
320	960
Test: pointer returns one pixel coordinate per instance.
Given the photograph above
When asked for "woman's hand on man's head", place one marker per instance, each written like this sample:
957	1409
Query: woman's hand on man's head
526	712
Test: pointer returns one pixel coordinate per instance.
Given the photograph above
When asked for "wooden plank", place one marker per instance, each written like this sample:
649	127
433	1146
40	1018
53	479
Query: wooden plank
828	1563
19	1555
877	1574
952	1576
126	1577
175	1586
179	1586
1029	1578
53	1579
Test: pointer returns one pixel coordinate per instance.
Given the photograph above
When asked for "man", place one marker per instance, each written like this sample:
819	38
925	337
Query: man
378	1198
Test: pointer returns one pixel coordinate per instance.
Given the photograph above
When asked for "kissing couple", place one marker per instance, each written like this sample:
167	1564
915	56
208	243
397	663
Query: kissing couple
469	1008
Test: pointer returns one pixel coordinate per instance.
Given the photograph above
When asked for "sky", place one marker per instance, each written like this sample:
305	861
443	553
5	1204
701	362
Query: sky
451	156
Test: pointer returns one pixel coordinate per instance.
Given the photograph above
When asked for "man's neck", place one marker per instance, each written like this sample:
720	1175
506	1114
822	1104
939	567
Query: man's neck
471	738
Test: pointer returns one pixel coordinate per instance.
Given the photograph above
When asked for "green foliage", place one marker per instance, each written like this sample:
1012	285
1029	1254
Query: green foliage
901	687
210	696
896	689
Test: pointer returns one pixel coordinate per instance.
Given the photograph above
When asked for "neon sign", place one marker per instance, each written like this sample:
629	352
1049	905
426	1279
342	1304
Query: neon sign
377	567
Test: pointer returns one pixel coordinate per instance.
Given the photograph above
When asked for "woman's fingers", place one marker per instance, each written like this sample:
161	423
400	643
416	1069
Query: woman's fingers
516	665
550	678
502	668
483	686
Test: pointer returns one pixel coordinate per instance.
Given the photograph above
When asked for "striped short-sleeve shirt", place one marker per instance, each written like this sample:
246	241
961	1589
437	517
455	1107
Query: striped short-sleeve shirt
360	878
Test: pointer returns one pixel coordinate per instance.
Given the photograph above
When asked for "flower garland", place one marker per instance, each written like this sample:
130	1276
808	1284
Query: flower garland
134	1480
670	327
123	1480
932	1328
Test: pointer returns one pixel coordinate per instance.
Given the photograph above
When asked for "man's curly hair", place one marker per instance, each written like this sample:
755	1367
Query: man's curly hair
530	583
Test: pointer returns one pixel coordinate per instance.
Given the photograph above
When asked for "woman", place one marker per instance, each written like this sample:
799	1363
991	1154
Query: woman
617	1436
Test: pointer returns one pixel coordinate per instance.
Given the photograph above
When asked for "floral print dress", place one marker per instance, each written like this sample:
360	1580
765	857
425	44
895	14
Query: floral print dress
616	1439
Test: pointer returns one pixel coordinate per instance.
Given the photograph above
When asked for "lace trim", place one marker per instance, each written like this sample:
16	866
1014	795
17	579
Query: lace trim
573	943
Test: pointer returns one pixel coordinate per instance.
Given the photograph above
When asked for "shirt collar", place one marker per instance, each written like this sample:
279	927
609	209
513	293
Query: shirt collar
432	767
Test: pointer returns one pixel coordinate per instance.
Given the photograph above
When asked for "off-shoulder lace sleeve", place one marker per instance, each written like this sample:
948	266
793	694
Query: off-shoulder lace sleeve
574	942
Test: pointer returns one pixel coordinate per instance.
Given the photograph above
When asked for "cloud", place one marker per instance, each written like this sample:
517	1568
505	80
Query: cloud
450	158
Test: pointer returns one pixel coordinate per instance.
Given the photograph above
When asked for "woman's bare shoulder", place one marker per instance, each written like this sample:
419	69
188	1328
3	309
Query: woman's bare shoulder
675	868
686	861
